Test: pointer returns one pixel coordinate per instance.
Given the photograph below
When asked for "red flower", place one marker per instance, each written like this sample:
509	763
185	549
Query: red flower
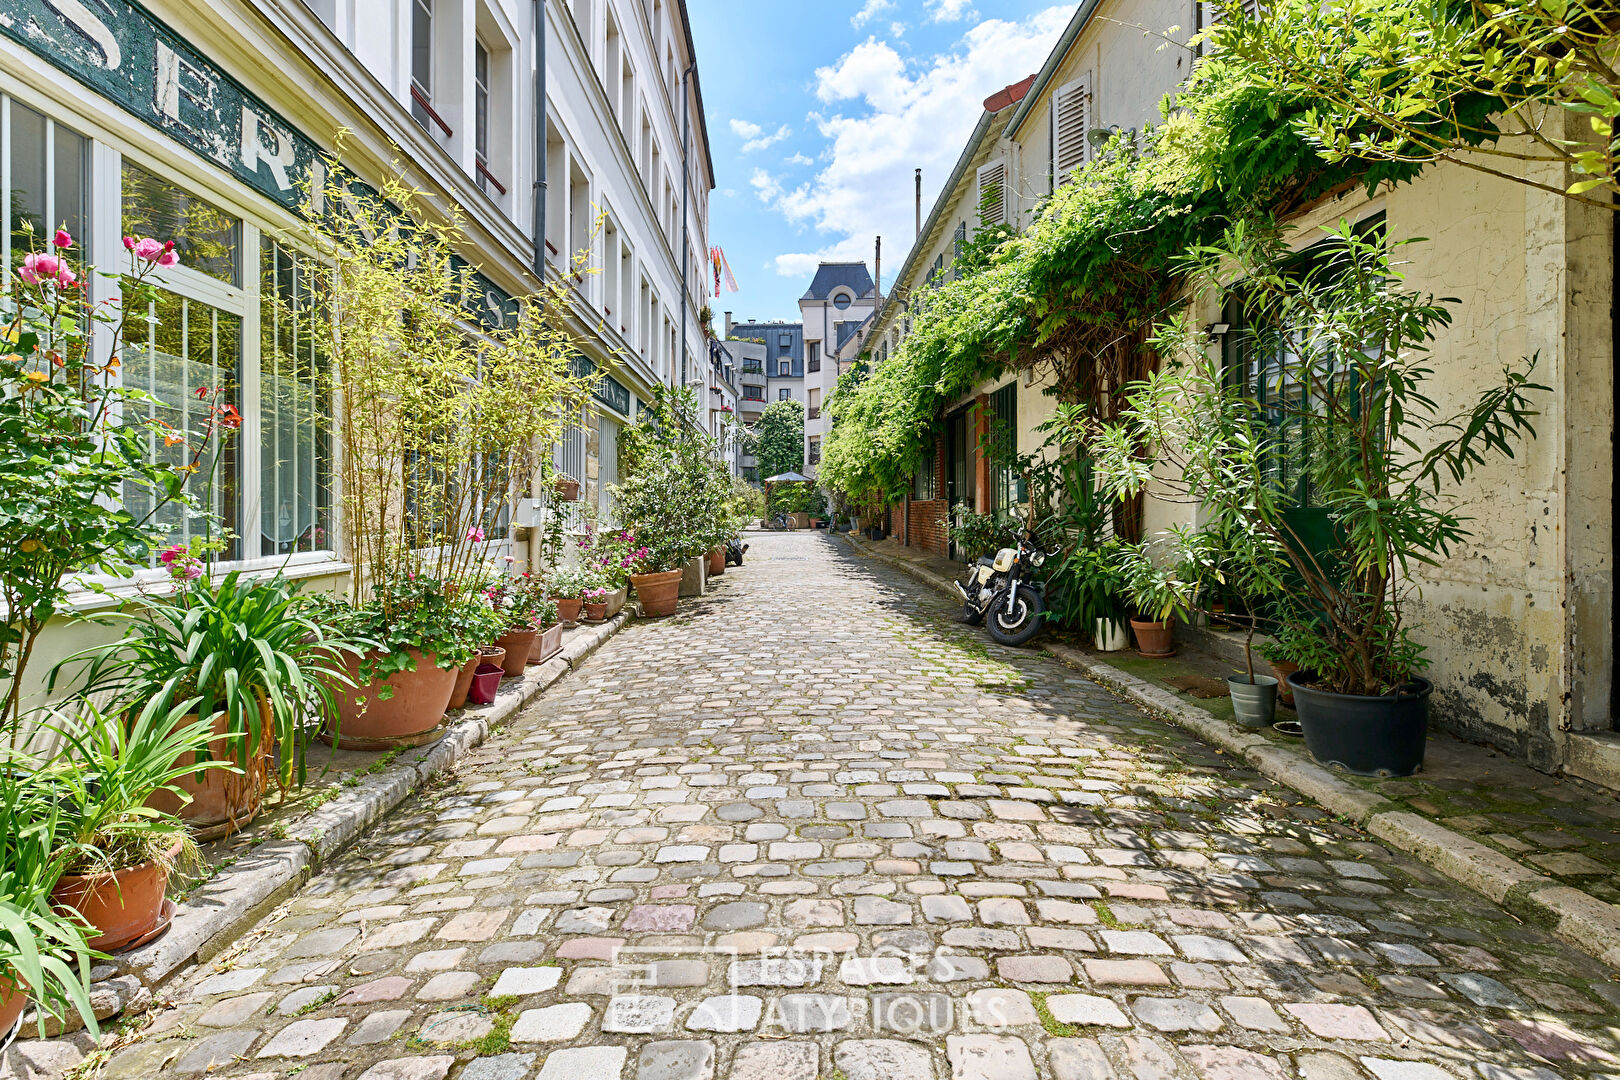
201	392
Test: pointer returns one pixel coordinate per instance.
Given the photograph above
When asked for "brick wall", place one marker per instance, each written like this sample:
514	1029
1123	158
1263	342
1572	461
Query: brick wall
924	525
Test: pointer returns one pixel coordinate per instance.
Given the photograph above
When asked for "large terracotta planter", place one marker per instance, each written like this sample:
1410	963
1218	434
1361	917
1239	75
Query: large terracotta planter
13	1000
222	801
547	643
1155	640
717	562
568	610
416	707
517	644
125	906
658	593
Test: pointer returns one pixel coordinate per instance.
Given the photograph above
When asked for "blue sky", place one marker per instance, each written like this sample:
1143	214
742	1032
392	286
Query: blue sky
818	113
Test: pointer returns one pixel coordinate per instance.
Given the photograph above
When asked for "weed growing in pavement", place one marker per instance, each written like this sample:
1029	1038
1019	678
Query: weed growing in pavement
1105	914
1054	1027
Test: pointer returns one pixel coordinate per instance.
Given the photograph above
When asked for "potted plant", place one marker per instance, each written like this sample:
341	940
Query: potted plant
565	487
117	851
606	560
43	955
519	600
261	667
1344	435
1156	587
567	588
480	624
596	598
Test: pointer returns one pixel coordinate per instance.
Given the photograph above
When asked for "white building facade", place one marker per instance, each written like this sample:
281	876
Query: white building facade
840	299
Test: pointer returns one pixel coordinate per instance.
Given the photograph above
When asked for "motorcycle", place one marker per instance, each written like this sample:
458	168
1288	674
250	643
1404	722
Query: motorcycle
1003	589
734	551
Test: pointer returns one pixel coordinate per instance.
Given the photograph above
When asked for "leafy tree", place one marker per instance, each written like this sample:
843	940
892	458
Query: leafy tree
1500	88
781	438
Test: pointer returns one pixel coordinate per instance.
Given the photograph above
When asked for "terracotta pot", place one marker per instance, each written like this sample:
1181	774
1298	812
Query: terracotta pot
547	643
596	612
13	1000
617	599
568	610
1282	669
658	593
124	905
222	801
417	706
1155	640
464	677
717	562
568	490
517	643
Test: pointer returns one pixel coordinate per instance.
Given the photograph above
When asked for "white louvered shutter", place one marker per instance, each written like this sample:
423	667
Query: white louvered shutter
992	194
1071	119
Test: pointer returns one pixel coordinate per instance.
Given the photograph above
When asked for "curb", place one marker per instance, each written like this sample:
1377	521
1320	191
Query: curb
223	909
1577	918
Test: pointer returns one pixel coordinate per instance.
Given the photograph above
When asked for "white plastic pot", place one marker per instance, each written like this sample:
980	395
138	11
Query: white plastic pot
1111	635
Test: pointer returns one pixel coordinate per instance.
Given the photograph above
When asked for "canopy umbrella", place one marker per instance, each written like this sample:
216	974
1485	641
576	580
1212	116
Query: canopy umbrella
789	478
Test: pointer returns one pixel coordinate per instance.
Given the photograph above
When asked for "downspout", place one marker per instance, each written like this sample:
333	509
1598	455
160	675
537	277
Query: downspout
540	141
686	184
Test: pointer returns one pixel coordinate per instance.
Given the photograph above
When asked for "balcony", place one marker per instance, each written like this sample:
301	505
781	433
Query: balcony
814	413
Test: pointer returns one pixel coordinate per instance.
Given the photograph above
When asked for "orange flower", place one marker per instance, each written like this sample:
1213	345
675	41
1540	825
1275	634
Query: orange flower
173	440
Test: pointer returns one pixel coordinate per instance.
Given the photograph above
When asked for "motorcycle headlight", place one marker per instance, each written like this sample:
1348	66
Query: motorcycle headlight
1038	559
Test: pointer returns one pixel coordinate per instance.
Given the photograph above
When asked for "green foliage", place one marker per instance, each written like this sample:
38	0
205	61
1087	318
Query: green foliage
747	501
235	647
70	450
1073	295
446	620
1155	577
1416	81
976	534
674	497
1345	346
781	438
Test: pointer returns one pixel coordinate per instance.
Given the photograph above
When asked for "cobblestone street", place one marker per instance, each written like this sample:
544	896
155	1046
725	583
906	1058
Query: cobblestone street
812	828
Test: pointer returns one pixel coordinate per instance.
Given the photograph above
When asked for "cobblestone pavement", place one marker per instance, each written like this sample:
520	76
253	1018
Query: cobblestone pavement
810	828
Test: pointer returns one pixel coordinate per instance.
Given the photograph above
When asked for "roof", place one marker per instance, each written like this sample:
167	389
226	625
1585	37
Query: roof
1008	95
831	275
697	92
1054	60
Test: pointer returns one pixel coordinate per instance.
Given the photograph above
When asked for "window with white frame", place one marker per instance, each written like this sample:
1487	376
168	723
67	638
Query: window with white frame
422	67
481	121
47	171
295	483
1071	122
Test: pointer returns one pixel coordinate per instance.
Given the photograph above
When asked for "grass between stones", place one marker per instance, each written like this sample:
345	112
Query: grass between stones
1054	1027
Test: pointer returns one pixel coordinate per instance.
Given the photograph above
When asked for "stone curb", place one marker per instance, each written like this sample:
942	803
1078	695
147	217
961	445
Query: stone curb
222	910
1578	918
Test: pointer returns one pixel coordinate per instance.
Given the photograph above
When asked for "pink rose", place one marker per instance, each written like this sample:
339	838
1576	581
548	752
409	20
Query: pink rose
146	248
475	534
62	239
26	272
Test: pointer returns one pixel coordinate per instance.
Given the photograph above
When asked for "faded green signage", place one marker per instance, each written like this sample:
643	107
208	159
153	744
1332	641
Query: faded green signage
127	55
608	390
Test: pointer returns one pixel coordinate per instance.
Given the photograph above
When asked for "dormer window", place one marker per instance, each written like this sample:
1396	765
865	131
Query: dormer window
842	300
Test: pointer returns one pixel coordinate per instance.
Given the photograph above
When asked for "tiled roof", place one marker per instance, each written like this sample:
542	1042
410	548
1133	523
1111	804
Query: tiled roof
851	275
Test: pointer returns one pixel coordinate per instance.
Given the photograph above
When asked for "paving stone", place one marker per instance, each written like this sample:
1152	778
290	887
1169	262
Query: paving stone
1176	1014
584	1063
1087	1010
378	1027
215	1050
1338	1021
639	1014
453	1026
676	1060
806	1013
1233	1063
727	1012
434	1067
742	915
1078	1059
522	982
303	1038
775	1061
882	1059
989	1057
499	1067
997	1008
554	1023
1037	969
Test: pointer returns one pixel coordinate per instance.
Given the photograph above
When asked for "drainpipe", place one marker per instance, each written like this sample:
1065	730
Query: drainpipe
686	183
540	140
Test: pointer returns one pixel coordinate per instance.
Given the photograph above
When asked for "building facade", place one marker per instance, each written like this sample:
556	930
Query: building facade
841	297
1518	621
209	122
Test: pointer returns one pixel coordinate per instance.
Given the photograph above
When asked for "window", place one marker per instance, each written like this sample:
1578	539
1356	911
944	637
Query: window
842	301
295	483
182	345
205	237
48	166
922	485
813	356
784	394
481	125
814	411
814	456
1003	445
1071	121
422	62
753	393
785	369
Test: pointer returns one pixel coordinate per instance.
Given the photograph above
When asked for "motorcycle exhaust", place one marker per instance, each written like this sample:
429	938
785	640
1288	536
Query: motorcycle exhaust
963	591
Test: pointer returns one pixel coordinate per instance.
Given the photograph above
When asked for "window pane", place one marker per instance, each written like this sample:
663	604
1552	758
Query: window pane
422	46
180	346
295	483
205	237
71	206
27	158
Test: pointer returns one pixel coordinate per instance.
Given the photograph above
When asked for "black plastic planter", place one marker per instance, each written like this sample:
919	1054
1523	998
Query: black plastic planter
1368	736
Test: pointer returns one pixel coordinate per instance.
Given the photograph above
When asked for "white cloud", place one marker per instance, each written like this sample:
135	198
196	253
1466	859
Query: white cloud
872	10
948	10
887	116
755	135
799	159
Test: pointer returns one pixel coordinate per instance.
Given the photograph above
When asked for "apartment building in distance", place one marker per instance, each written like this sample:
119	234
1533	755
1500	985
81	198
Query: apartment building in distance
840	299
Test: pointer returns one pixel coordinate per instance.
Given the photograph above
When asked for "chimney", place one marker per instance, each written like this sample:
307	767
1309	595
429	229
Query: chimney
877	296
919	202
728	324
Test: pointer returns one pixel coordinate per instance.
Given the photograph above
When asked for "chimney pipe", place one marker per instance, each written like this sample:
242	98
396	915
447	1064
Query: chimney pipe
728	324
877	300
919	202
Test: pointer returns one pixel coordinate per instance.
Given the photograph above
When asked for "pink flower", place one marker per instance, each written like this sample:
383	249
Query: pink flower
169	554
190	572
145	248
26	272
62	239
475	534
129	243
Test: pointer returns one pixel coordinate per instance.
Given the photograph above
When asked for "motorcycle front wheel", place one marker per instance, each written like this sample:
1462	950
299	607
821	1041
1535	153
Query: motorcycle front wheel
971	617
1022	623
